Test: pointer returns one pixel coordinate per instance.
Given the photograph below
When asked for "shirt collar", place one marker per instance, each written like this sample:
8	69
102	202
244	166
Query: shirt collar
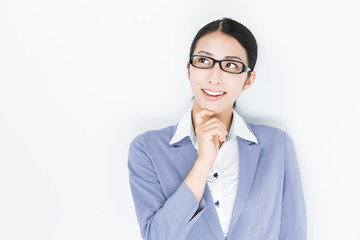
185	128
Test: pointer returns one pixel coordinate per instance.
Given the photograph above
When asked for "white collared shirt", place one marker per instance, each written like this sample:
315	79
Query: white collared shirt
223	176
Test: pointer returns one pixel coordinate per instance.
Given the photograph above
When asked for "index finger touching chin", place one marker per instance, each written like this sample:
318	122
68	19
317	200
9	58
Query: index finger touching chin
201	114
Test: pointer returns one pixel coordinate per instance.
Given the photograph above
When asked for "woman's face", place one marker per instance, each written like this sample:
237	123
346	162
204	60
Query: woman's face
218	46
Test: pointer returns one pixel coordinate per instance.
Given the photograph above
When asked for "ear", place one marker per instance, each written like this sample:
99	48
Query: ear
188	69
250	80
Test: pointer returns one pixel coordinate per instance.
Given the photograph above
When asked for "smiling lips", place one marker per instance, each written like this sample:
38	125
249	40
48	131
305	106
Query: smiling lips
213	95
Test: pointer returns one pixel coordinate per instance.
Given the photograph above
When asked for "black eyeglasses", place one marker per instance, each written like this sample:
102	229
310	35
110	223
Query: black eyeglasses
230	66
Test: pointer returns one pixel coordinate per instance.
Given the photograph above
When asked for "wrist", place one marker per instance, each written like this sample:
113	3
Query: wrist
204	164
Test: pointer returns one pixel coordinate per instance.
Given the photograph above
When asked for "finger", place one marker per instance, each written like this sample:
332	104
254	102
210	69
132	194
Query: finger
221	132
217	142
212	122
201	114
218	135
213	131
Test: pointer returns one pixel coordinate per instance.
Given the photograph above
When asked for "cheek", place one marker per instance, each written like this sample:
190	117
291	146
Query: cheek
196	77
236	88
194	84
196	80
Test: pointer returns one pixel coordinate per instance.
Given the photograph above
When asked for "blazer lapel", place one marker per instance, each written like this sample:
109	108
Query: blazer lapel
210	214
185	156
248	159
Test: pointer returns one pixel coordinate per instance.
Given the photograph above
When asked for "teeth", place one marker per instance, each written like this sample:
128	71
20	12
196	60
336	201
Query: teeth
213	93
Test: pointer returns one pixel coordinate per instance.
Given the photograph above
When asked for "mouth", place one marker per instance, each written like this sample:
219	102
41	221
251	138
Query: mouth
213	95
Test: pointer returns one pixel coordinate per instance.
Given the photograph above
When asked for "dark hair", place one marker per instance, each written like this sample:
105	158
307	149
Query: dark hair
235	30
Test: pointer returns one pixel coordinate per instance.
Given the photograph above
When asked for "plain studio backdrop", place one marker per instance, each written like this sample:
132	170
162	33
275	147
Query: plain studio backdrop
80	79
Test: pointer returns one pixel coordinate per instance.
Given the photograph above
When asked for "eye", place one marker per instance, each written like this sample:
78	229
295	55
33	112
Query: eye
203	60
231	65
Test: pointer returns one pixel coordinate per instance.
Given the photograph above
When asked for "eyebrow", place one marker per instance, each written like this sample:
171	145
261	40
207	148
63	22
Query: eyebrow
229	57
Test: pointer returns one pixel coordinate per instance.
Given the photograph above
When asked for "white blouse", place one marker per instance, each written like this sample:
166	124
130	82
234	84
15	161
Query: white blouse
223	176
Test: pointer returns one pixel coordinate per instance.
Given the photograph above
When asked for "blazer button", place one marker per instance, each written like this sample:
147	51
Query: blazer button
215	175
217	203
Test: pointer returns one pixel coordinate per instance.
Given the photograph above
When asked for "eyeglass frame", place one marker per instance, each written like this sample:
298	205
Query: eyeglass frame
245	68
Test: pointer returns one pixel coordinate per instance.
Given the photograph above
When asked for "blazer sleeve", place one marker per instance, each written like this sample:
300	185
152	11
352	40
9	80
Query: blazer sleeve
293	217
159	217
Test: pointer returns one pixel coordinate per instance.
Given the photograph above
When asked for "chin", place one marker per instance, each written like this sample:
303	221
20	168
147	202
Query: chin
217	107
212	107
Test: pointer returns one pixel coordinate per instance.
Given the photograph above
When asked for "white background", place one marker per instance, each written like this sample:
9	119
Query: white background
80	79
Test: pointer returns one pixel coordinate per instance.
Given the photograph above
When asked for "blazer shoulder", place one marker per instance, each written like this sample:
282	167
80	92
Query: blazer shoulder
162	136
267	133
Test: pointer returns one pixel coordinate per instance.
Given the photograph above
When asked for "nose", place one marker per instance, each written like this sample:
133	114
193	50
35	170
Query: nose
215	74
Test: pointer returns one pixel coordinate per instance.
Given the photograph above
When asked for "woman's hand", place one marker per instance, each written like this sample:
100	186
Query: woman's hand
208	135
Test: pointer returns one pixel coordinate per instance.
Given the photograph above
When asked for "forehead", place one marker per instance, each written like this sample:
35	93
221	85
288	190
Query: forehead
221	45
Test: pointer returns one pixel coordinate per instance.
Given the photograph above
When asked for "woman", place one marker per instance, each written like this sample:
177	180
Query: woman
212	175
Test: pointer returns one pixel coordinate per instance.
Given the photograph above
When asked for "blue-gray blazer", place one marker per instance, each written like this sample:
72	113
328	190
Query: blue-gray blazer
269	201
